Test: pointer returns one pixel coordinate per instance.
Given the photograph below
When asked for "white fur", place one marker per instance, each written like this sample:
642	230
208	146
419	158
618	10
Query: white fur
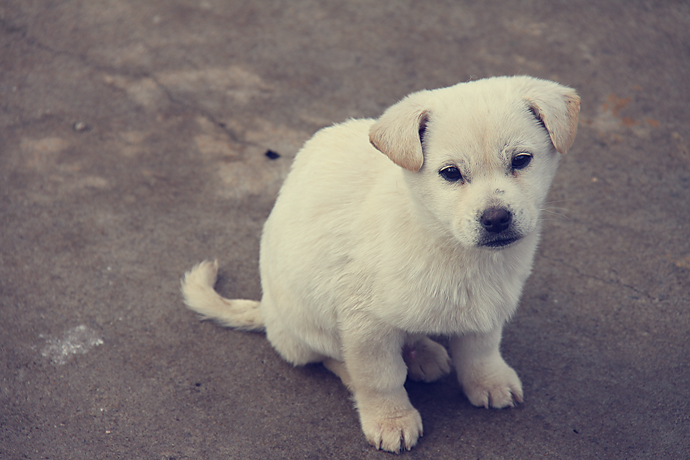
365	253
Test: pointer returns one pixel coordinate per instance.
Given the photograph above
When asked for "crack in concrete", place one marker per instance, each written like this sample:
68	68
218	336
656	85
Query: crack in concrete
603	280
23	33
200	111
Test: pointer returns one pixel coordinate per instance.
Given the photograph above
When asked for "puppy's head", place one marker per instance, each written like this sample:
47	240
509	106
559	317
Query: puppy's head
479	157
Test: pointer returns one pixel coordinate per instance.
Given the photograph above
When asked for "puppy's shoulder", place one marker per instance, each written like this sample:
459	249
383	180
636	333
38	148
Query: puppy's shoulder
345	136
344	145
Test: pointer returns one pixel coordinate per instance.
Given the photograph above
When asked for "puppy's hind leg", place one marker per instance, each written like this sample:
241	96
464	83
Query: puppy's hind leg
426	360
289	347
340	369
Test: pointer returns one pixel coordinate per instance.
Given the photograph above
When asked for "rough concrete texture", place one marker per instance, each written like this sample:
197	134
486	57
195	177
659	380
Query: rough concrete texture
133	146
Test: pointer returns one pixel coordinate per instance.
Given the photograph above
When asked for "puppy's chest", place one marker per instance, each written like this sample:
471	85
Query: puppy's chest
448	298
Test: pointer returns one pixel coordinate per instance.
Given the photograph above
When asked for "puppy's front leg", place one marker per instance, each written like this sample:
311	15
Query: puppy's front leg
373	358
483	374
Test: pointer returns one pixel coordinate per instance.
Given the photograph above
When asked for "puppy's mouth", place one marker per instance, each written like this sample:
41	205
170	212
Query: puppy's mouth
499	242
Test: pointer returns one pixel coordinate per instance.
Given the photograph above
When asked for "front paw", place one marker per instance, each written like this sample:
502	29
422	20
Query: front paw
426	360
391	431
494	385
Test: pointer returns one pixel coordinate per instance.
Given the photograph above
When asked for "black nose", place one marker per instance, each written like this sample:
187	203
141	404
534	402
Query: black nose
495	220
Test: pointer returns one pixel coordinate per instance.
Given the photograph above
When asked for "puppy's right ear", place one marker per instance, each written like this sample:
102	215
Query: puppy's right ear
399	132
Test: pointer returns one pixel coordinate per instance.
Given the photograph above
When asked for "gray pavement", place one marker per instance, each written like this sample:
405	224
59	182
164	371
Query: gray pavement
133	145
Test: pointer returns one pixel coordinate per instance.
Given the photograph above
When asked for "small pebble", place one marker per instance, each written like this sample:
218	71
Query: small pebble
272	155
80	126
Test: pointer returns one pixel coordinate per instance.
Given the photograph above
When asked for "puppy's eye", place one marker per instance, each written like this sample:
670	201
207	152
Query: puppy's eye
451	174
521	161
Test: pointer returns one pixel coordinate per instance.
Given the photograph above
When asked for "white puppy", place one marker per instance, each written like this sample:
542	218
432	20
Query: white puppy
365	253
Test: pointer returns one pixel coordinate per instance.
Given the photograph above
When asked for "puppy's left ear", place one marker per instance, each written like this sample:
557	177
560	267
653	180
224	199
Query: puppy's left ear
558	108
399	132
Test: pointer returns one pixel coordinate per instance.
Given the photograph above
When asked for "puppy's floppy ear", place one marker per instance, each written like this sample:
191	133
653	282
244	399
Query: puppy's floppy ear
557	107
399	132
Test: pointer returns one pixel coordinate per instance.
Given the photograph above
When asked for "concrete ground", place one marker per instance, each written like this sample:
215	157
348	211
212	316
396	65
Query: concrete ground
134	139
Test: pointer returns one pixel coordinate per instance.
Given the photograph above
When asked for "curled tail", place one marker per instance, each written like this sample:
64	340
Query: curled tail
199	295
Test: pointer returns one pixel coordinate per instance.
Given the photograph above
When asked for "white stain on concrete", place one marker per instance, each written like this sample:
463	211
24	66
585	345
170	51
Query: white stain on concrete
78	340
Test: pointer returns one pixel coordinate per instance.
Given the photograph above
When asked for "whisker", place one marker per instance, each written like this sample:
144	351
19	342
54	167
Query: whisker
554	211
